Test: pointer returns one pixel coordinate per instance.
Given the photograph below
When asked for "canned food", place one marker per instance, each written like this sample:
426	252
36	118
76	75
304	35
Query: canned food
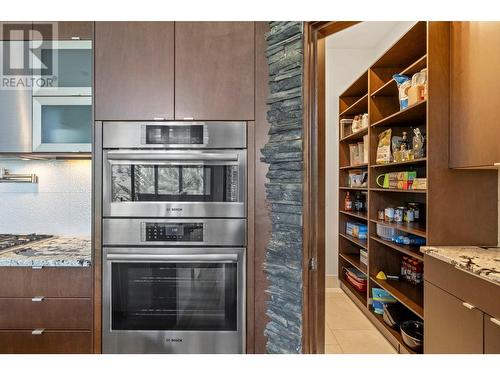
399	214
380	214
416	211
409	215
389	214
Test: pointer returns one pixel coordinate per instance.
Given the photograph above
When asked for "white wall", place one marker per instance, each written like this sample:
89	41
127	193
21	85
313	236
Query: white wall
343	66
59	204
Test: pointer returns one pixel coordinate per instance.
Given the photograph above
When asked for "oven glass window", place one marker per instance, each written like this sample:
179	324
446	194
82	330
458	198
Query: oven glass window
174	183
174	296
174	135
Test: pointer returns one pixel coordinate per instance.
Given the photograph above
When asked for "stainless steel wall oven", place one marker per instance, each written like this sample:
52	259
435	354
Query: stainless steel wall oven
174	237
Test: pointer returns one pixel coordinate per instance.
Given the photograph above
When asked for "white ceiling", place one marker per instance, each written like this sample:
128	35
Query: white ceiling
364	35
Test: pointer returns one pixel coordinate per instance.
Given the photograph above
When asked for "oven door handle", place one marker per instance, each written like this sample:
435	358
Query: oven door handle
181	258
153	156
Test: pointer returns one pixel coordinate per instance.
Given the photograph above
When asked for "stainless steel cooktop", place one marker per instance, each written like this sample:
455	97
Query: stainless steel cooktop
11	240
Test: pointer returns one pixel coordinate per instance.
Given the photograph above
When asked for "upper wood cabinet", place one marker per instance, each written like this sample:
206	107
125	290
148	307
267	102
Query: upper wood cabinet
134	70
15	30
214	70
67	30
474	111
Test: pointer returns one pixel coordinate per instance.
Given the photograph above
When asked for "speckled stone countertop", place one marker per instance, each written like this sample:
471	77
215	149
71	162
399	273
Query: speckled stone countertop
52	252
482	262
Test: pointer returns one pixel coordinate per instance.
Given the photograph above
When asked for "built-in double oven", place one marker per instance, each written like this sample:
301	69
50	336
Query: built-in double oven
174	237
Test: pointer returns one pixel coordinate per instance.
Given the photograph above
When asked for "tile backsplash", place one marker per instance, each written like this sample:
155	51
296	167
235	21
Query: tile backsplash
60	203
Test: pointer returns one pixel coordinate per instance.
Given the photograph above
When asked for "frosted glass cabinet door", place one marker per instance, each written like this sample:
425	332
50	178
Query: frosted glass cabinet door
65	68
62	124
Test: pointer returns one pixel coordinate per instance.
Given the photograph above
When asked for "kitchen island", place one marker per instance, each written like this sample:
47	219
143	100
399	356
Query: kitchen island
483	262
462	300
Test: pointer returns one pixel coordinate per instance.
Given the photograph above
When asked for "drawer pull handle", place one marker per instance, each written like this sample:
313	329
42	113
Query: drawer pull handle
36	267
159	118
468	305
37	331
37	299
495	321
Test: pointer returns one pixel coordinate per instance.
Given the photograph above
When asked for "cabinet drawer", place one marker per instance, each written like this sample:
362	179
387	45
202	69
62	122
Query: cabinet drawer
49	342
47	282
467	287
491	335
49	313
450	326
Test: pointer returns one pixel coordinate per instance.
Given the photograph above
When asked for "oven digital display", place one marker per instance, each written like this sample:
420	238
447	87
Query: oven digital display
174	134
174	232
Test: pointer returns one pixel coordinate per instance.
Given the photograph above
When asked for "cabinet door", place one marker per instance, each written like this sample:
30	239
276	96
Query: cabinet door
15	111
214	70
67	30
134	70
15	30
451	326
491	335
474	111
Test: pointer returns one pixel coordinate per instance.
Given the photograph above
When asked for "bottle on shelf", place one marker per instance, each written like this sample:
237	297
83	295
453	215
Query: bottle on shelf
359	203
348	202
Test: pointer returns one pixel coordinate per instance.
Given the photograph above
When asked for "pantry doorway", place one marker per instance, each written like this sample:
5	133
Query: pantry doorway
335	55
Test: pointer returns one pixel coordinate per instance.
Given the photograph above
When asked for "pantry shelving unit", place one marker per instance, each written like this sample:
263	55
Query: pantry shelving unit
425	45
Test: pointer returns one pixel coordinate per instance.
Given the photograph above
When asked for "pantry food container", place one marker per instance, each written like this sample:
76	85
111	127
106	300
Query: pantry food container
387	233
345	127
356	278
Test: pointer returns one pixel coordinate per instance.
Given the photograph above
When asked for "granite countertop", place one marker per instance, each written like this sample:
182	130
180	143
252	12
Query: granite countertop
479	261
56	251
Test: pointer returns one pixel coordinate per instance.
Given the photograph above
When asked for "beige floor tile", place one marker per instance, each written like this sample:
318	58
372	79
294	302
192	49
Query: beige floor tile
333	349
342	313
329	337
363	342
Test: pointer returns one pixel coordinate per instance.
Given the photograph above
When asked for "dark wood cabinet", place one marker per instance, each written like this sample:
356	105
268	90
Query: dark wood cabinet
134	70
57	301
491	335
451	325
47	313
474	111
66	30
15	30
214	70
18	282
48	342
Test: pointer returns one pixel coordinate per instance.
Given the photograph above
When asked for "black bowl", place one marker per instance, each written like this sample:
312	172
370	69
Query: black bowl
412	332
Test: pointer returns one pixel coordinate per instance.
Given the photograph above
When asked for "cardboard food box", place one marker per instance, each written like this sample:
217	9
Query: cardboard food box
416	94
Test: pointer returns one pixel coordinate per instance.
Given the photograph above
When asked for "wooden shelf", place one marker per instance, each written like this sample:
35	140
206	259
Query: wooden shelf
354	240
355	214
358	88
417	229
355	136
416	67
408	162
406	117
360	296
364	165
404	249
353	260
394	332
357	108
399	190
412	296
390	88
353	188
376	92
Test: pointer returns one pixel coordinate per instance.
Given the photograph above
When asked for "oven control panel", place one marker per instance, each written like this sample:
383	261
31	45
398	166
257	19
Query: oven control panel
173	232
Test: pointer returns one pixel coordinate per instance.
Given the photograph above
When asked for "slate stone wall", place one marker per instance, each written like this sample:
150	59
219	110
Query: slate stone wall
283	153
